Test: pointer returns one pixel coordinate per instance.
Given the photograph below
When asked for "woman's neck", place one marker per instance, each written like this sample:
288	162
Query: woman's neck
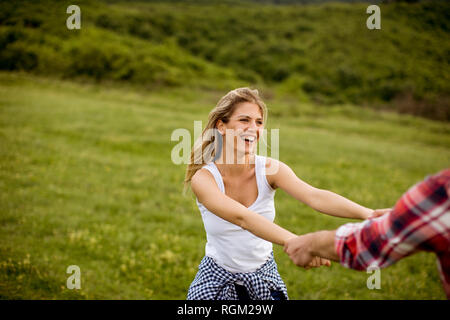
236	166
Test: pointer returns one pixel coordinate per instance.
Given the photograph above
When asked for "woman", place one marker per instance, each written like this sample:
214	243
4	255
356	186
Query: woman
235	194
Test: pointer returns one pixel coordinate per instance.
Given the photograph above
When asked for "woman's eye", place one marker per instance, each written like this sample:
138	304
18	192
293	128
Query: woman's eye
244	120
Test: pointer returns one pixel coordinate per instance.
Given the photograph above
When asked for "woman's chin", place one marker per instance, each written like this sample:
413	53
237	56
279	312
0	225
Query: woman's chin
247	151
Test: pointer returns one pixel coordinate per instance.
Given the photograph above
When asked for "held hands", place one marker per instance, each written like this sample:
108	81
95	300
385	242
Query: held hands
379	212
318	262
298	250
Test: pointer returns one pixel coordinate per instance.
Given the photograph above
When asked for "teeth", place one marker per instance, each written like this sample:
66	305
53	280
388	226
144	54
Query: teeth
249	138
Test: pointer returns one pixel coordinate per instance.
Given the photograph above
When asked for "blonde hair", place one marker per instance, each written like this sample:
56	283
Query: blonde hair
203	150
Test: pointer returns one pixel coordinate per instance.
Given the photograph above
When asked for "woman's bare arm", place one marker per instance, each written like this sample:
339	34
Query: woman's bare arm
205	188
321	200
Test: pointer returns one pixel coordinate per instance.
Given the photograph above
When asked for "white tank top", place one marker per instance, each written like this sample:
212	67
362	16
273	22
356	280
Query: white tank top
233	248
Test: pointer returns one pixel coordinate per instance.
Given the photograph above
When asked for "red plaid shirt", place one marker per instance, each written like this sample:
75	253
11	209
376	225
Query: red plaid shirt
419	221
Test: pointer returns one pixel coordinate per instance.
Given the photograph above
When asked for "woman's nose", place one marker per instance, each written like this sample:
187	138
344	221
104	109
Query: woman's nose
253	124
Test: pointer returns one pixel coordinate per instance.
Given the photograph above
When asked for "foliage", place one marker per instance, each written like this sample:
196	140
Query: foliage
225	44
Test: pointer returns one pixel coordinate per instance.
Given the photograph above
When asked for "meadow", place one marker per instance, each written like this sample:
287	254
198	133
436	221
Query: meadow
86	179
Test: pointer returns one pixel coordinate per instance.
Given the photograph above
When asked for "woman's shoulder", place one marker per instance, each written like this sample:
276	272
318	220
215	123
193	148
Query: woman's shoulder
271	169
272	165
203	182
275	169
201	175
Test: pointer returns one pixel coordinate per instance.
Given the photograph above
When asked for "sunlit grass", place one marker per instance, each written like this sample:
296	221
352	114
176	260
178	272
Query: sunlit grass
86	179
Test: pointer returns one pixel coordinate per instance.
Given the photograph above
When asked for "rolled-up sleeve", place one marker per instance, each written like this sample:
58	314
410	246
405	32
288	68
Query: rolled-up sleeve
360	245
420	220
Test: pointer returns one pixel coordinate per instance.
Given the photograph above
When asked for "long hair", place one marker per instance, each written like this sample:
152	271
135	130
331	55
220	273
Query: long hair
205	148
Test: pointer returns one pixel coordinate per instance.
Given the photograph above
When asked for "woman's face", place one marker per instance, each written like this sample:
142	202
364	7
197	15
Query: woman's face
243	129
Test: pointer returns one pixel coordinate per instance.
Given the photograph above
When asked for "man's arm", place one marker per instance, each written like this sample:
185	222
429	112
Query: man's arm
422	211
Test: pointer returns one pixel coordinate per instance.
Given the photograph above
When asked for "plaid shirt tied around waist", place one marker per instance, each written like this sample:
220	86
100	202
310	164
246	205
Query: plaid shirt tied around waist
213	282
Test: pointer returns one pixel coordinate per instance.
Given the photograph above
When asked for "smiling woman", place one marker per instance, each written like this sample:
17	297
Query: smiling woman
235	191
233	196
240	133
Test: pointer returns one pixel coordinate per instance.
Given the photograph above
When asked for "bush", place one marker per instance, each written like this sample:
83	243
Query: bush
19	56
211	45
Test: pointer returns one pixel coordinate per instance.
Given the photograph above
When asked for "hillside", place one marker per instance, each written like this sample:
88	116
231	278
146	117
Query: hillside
319	53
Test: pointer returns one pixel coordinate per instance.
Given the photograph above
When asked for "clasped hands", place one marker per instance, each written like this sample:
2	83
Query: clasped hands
300	248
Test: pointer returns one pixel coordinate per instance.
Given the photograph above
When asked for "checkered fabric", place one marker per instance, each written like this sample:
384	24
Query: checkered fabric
419	221
213	282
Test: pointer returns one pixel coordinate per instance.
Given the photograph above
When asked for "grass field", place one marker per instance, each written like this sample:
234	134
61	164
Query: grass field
86	179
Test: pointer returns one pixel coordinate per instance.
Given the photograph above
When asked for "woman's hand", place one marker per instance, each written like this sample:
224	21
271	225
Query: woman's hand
379	212
318	262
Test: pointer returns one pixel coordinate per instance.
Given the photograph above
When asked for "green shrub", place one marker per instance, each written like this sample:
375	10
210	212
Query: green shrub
214	45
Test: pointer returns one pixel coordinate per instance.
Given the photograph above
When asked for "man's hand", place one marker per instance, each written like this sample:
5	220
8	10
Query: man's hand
298	249
379	212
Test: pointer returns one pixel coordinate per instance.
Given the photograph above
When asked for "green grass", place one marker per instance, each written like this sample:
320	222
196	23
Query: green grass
86	179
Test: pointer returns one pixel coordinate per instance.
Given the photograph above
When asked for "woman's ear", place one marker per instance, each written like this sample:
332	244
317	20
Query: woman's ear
220	126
